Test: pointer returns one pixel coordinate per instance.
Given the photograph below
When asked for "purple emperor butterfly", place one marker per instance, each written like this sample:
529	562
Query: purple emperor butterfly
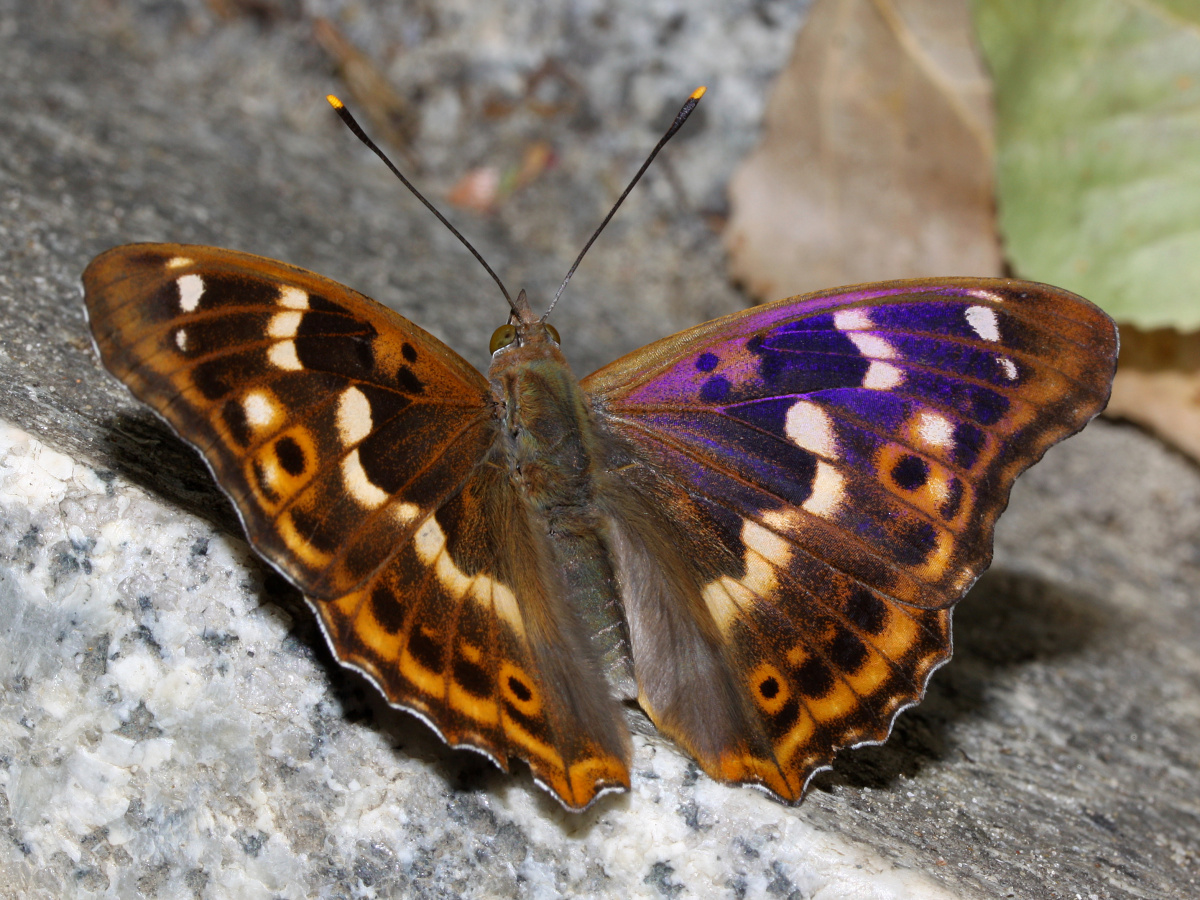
756	528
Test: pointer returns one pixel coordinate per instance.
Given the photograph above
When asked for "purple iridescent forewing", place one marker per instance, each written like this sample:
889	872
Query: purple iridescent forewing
834	465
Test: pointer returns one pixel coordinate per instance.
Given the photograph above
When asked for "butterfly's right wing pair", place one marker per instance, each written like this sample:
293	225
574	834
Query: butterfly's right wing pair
799	493
361	455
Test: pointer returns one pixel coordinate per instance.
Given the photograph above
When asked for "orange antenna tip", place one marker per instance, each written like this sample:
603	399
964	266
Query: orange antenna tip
337	104
698	93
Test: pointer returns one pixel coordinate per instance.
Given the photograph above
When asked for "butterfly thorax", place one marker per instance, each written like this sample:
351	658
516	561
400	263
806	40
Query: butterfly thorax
544	425
553	451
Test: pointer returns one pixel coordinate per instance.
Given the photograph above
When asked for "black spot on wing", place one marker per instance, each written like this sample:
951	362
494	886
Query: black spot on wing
387	609
426	649
714	389
813	678
290	456
472	678
866	611
847	651
769	687
408	382
783	720
314	530
791	363
519	689
384	404
233	414
330	338
910	472
968	441
913	542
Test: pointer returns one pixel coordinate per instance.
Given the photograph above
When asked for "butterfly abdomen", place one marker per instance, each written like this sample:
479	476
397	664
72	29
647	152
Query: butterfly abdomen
551	450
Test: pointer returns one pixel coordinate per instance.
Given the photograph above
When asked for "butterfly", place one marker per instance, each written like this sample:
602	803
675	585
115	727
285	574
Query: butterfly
756	528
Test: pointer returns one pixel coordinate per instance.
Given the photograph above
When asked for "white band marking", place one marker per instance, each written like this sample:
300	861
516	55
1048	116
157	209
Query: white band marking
984	322
191	289
283	356
353	416
809	428
828	488
292	297
359	485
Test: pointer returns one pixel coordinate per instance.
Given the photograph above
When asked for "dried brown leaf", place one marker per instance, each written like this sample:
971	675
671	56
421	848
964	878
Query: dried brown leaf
876	161
1158	385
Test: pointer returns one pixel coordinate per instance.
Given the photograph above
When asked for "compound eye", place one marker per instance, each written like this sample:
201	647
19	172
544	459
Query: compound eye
503	336
553	332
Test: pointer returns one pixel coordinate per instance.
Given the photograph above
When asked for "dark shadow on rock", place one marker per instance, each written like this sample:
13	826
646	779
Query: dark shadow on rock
143	450
1009	619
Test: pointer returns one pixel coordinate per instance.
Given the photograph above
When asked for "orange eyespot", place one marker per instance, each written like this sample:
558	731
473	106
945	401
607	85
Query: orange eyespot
553	332
502	337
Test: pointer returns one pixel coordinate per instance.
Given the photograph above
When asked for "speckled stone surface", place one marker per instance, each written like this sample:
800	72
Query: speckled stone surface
170	721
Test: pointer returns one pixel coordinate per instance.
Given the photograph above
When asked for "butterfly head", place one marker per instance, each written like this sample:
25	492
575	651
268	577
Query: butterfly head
523	328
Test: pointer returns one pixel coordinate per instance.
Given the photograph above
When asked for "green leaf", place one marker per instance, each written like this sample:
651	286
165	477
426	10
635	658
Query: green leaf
1098	149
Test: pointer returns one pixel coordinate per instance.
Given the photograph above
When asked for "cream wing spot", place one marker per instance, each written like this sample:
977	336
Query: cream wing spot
359	485
938	487
766	553
406	513
293	297
783	521
430	544
726	598
260	409
353	416
984	322
935	430
808	426
181	340
828	488
871	346
283	356
178	262
882	377
766	544
852	320
503	601
1008	366
284	325
191	289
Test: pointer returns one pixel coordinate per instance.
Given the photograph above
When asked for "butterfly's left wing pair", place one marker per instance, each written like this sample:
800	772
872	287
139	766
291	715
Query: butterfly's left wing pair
815	484
359	452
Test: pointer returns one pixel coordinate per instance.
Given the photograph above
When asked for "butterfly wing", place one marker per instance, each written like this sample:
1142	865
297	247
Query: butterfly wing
361	455
834	465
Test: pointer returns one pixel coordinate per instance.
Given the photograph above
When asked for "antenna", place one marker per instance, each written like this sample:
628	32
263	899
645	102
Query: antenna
675	126
344	113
